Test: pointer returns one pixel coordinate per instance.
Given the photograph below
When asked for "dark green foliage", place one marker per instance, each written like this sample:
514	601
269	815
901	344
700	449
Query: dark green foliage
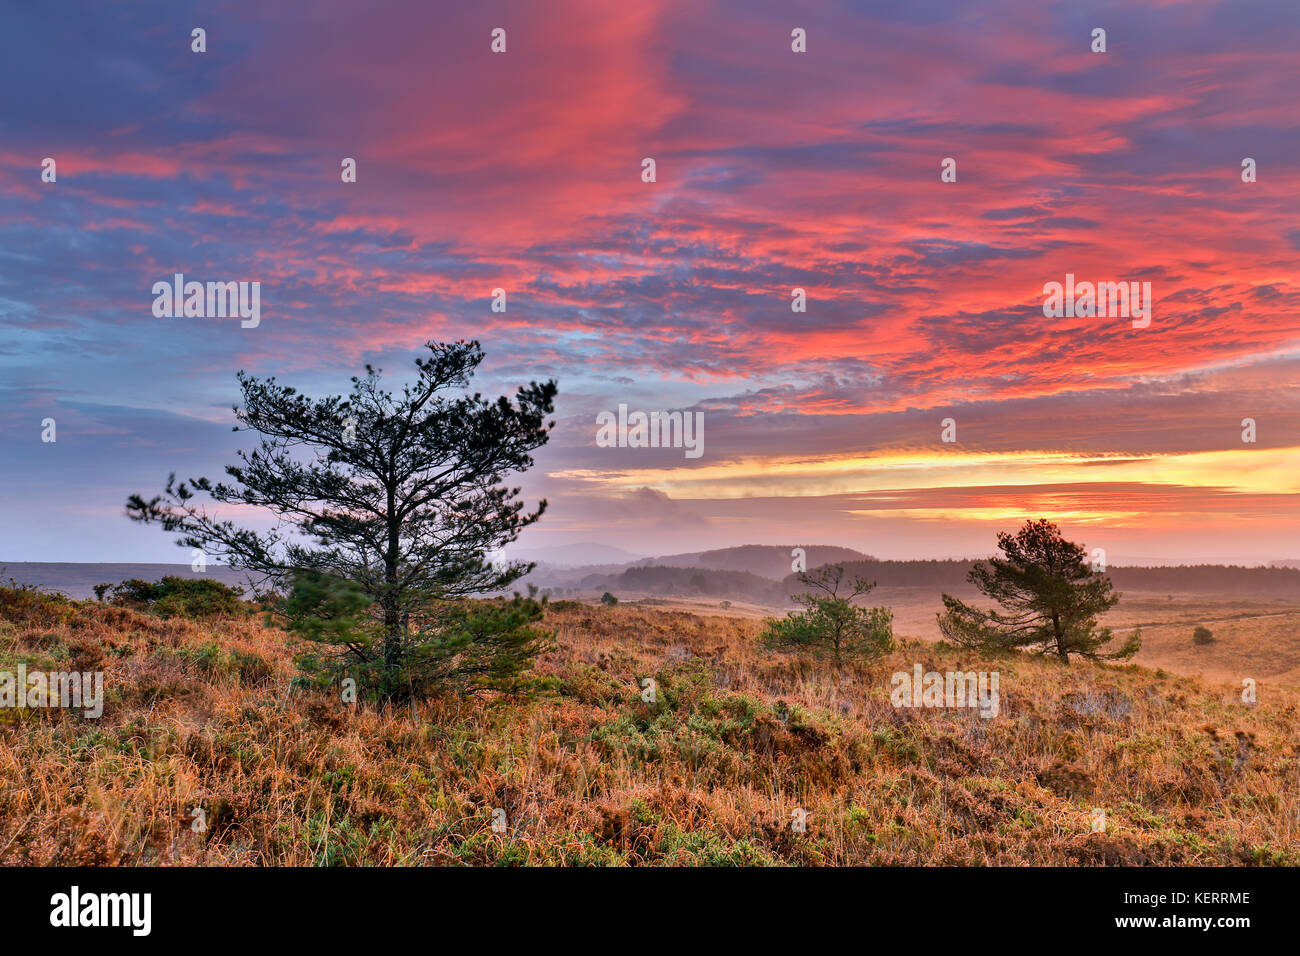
459	644
830	623
470	644
178	597
1202	635
1050	596
335	615
331	610
608	599
402	497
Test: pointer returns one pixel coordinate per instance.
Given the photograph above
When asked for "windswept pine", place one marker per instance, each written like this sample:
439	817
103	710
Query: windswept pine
1050	595
391	505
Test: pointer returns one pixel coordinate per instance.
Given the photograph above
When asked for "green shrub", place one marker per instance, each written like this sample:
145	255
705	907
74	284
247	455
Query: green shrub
1202	635
179	597
831	624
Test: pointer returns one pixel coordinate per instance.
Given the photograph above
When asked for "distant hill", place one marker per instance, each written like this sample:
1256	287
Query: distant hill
662	581
759	574
902	573
768	561
1272	581
580	555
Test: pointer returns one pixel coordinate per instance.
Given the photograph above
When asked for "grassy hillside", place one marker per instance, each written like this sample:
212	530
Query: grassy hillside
658	580
198	714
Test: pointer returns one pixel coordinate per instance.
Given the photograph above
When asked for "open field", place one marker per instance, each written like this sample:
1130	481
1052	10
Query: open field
200	715
1256	636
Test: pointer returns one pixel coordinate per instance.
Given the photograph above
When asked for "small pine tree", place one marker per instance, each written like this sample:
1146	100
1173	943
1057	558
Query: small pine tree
830	624
1050	595
608	599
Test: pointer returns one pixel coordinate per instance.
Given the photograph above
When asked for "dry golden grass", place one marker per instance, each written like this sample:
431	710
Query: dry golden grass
199	715
1256	636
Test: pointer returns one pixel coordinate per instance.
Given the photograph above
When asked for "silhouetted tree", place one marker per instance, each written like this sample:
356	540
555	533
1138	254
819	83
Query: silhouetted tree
394	501
1050	595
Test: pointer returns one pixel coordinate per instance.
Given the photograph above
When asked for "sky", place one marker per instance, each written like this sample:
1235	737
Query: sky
774	170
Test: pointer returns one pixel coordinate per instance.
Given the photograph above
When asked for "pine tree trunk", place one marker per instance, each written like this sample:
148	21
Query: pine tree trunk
392	635
392	606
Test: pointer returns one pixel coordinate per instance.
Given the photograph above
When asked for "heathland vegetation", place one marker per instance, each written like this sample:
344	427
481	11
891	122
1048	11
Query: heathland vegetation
209	751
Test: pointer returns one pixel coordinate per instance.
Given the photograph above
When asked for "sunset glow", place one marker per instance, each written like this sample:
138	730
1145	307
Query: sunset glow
774	172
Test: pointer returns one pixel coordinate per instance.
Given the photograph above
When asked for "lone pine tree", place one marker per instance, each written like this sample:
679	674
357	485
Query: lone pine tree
831	624
1051	600
389	507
